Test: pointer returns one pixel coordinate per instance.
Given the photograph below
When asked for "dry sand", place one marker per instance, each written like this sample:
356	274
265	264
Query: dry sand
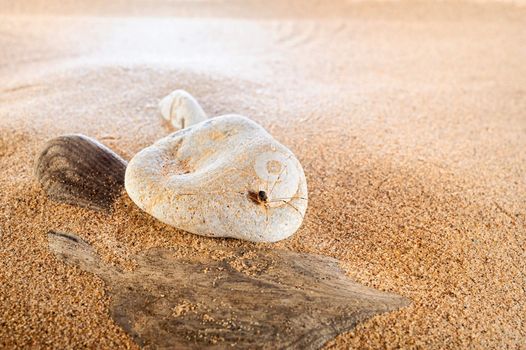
409	119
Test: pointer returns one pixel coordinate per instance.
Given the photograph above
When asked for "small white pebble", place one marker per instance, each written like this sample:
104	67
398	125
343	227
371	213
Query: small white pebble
181	109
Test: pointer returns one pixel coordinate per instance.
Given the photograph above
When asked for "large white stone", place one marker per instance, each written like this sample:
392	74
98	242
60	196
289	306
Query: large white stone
224	177
181	109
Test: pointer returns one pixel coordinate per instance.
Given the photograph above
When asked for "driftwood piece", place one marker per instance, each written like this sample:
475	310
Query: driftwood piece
78	170
232	298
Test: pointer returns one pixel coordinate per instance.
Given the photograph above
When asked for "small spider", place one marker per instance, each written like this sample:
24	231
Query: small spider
258	198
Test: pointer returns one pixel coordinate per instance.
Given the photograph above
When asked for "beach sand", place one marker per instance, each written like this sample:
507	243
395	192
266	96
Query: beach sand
409	119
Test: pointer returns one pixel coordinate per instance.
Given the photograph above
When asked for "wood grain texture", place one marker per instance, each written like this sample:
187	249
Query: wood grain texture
78	170
234	298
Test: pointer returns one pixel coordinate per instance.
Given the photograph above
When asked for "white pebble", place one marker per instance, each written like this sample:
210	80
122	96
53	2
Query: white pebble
225	177
181	109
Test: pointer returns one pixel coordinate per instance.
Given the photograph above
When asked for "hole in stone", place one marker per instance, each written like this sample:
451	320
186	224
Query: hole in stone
273	167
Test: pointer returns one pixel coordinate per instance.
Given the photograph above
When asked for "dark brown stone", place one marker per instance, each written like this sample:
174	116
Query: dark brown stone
78	170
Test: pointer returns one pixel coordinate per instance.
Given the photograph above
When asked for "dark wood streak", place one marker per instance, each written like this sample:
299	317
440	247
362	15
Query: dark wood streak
247	299
78	170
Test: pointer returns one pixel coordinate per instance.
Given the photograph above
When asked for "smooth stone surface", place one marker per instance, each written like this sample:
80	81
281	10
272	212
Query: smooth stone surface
225	177
181	109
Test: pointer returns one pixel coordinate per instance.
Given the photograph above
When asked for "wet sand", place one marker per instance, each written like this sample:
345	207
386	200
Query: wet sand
409	120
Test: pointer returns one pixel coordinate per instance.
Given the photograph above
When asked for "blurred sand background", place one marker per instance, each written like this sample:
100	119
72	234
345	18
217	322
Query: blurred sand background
408	117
